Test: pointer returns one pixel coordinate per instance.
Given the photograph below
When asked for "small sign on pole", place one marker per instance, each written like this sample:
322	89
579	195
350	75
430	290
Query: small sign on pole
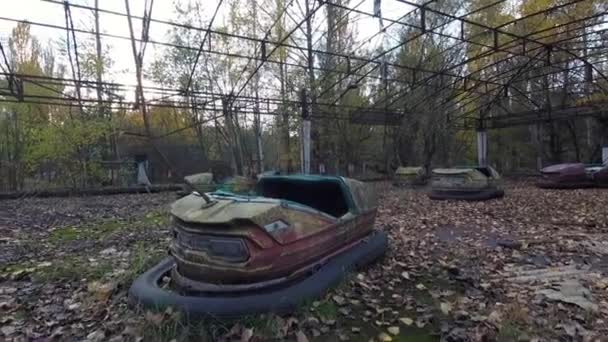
605	155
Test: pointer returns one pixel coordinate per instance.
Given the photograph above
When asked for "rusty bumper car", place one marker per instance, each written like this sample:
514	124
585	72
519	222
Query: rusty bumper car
466	183
573	176
410	176
234	255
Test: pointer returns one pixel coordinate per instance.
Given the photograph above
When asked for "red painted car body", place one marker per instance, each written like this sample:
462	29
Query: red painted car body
292	225
573	175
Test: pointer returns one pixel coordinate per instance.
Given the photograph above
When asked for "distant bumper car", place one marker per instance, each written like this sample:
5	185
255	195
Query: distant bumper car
600	176
573	176
466	183
235	255
410	176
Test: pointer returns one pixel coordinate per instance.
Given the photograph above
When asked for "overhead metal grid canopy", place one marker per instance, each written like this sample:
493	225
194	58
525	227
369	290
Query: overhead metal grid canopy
490	70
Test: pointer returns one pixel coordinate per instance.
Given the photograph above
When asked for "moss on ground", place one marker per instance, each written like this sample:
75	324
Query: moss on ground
92	231
510	332
327	310
98	230
73	269
154	218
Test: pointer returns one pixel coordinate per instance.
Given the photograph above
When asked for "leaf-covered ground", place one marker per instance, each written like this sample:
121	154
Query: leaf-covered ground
529	267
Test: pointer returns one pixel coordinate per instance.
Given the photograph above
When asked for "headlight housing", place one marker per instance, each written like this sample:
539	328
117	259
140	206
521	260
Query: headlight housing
224	248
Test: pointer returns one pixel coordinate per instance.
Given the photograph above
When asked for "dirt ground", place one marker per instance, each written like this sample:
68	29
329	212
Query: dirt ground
529	267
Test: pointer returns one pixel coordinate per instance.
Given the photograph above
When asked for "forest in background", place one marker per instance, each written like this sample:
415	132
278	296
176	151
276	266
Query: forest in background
94	134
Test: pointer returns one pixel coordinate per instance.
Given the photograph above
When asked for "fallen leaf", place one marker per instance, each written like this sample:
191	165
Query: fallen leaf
344	311
446	308
102	292
155	318
246	335
96	336
405	275
393	330
406	320
329	322
8	330
495	318
339	300
18	275
420	287
301	337
384	337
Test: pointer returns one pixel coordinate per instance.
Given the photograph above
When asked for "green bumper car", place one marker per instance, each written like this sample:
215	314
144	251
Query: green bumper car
410	176
466	183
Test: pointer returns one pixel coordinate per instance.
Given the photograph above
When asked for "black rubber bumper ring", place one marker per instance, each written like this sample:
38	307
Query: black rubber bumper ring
565	185
482	195
145	290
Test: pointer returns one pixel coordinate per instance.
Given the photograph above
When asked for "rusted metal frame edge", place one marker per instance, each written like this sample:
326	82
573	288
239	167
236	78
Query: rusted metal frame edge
525	94
481	55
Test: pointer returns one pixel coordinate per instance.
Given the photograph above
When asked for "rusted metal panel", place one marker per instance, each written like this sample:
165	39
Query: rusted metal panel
281	238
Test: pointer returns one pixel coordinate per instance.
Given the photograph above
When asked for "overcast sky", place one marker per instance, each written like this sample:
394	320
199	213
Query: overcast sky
123	69
52	13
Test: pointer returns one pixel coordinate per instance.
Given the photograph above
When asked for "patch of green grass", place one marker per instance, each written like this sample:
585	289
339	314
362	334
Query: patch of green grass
100	229
143	256
173	326
263	325
67	269
20	315
155	218
305	306
327	310
72	269
509	333
92	231
170	327
25	266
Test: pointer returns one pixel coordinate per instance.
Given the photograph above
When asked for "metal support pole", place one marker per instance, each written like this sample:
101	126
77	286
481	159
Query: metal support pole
306	125
482	147
306	145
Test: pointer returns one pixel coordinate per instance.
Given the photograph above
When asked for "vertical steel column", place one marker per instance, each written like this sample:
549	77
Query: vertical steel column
482	147
306	145
305	136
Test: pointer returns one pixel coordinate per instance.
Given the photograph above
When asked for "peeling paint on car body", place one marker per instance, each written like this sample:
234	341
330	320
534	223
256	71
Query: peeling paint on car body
306	237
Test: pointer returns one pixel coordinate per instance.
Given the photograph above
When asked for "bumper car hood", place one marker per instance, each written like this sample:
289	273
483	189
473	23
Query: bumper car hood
259	210
195	209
